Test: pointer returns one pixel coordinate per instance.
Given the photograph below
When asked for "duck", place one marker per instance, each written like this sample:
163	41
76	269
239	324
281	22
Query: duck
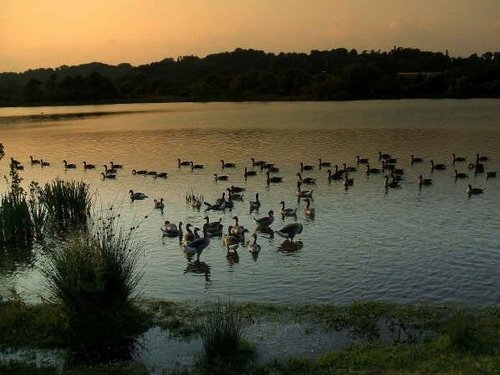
415	159
44	163
372	170
308	210
254	205
455	158
266	220
171	230
306	180
303	193
393	184
459	175
253	247
289	231
34	161
287	211
140	171
424	181
491	175
324	163
474	191
115	166
305	167
249	173
273	179
220	178
88	166
183	163
69	165
361	160
161	175
439	167
108	176
227	165
159	204
337	175
196	166
137	195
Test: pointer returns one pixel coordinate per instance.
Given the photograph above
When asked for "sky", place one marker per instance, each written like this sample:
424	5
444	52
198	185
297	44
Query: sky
51	33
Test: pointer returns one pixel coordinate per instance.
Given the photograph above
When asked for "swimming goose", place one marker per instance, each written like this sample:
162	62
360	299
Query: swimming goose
214	228
161	175
137	195
232	239
140	171
69	165
491	174
270	168
424	181
152	173
416	159
371	170
189	235
459	175
116	166
481	158
287	211
171	230
236	228
249	173
44	163
237	189
234	196
34	161
393	184
383	156
348	169
14	161
266	220
439	167
474	191
253	247
227	165
88	166
454	158
196	166
220	178
254	205
183	163
324	163
306	180
361	160
273	179
303	193
308	210
347	181
305	167
159	204
109	170
108	176
257	163
198	244
337	175
289	231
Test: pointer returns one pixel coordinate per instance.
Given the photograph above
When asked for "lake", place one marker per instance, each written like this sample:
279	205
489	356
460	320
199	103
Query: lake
410	244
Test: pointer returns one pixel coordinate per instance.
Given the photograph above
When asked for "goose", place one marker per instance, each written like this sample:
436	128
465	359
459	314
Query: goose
234	196
478	168
237	189
109	170
253	247
383	156
491	174
257	163
159	204
386	166
220	178
198	245
481	158
361	160
44	163
183	163
371	170
270	168
348	169
347	181
273	179
415	159
189	235
397	177
227	165
88	166
266	220
454	158
19	167
289	231
237	228
115	166
307	180
337	175
108	176
305	167
303	193
214	228
439	167
393	184
287	211
254	205
232	240
140	171
196	166
171	230
161	175
424	181
391	160
474	191
308	210
459	175
267	166
249	173
152	173
14	161
69	165
34	161
137	195
324	163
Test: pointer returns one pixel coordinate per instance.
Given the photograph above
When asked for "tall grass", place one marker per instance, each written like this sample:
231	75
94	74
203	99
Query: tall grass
222	331
94	277
66	202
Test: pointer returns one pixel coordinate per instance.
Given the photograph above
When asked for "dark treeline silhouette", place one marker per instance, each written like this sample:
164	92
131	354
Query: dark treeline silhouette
338	74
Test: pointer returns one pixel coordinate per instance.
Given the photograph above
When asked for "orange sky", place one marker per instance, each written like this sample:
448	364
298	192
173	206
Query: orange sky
50	33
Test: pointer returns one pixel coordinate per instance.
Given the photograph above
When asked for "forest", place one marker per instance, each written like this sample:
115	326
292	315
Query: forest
246	75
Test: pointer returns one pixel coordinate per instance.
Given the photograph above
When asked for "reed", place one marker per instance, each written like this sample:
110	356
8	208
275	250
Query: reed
222	331
94	277
66	202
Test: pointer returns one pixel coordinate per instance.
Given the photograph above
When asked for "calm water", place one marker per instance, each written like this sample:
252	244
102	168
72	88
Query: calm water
407	245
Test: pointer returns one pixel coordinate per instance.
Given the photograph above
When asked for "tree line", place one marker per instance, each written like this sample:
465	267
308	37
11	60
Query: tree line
246	74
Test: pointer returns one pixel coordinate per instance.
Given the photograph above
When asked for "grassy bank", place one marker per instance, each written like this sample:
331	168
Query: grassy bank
392	338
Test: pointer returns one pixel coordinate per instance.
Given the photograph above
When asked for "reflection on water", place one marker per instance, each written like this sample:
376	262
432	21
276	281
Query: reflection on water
404	244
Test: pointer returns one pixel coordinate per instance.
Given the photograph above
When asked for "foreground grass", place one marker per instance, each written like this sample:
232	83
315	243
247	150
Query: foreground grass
436	339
